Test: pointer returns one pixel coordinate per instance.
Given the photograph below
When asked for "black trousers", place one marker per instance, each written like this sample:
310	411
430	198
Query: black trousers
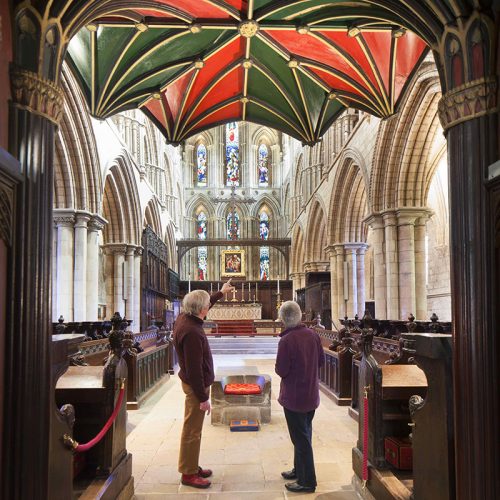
300	429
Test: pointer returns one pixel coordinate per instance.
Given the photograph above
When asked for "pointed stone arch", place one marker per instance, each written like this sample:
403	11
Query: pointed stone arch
298	250
348	205
152	216
316	235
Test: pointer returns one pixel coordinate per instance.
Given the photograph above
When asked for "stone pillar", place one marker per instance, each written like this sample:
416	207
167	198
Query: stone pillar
64	221
339	258
361	251
334	291
392	268
129	310
352	279
376	224
116	252
80	276
137	289
420	274
94	226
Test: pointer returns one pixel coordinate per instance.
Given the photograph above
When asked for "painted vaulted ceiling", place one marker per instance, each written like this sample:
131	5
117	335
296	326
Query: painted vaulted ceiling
294	65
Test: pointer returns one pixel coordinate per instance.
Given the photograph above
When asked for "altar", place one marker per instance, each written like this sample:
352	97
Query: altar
235	311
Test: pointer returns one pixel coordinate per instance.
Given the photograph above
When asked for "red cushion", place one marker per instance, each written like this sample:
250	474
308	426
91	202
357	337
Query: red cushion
242	389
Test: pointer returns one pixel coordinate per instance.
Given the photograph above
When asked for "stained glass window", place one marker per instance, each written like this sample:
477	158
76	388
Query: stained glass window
201	226
201	165
202	263
264	263
232	155
201	232
263	165
233	226
264	226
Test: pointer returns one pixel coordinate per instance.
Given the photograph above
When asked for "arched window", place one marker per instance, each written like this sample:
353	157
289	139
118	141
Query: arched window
263	165
232	155
201	226
201	165
264	226
264	263
233	225
201	232
264	251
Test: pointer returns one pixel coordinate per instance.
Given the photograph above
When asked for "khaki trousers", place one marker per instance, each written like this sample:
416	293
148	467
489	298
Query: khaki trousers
189	453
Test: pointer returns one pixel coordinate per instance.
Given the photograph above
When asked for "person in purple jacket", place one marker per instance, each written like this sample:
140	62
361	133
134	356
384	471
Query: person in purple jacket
196	371
300	356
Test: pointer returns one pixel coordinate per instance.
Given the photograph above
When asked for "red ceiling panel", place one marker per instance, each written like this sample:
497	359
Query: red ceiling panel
380	47
176	92
409	49
231	112
313	48
230	86
214	64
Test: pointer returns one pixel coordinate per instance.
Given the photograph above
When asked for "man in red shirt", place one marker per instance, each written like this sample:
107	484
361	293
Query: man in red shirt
300	356
196	371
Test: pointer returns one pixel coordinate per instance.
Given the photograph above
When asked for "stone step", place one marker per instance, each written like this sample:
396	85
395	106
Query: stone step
244	345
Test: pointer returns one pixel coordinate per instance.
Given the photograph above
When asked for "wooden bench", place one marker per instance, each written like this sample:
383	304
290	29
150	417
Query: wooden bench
91	393
391	413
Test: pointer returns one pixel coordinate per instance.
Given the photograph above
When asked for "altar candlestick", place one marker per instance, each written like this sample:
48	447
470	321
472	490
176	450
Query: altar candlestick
189	283
278	283
211	289
249	292
218	286
242	293
256	298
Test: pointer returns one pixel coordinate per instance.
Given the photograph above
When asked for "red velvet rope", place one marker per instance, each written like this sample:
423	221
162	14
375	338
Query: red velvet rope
365	437
84	447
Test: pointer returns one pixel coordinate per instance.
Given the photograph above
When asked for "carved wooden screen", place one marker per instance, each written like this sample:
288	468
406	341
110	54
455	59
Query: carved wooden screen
155	286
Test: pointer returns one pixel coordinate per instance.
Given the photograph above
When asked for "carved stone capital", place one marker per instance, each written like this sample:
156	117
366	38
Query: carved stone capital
36	94
138	251
64	218
97	223
115	248
469	101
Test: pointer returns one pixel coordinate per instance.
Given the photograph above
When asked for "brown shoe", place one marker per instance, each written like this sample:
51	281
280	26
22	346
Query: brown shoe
204	472
195	481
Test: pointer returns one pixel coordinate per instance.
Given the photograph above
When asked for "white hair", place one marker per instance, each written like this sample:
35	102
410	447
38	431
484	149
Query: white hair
290	313
195	301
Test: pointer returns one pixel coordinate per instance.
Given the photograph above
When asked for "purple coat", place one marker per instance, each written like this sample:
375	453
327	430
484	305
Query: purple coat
300	356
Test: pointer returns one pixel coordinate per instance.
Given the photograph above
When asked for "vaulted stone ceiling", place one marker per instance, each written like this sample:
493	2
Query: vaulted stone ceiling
295	65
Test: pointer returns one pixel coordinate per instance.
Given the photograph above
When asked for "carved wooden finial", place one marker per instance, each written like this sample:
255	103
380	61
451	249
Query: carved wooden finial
411	325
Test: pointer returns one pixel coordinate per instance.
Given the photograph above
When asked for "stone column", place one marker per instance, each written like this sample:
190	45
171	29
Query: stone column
339	257
94	226
64	221
129	282
80	276
334	291
376	224
420	274
392	265
361	251
352	278
117	253
137	289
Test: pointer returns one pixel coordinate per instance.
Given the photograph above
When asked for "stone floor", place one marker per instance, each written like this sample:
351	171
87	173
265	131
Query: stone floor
246	465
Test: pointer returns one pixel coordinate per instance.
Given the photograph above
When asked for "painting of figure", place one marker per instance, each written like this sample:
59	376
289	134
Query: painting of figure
232	263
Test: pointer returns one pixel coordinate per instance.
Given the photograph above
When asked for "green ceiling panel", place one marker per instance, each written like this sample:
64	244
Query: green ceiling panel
258	114
314	94
79	49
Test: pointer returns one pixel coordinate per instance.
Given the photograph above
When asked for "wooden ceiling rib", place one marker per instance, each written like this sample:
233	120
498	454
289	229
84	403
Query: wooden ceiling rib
192	64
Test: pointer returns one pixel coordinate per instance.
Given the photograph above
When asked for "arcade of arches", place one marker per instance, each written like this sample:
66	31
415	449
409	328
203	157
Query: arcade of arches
112	193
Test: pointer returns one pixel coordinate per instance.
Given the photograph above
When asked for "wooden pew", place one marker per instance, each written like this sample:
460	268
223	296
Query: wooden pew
93	392
395	395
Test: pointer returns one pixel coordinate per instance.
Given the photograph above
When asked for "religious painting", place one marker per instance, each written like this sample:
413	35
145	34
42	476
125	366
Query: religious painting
264	263
232	155
232	263
201	165
263	165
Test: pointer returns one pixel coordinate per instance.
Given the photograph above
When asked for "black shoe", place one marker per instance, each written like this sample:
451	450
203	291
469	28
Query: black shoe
297	488
289	474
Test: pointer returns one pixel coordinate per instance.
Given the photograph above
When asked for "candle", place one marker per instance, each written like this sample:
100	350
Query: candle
242	293
189	283
218	286
256	298
211	289
278	283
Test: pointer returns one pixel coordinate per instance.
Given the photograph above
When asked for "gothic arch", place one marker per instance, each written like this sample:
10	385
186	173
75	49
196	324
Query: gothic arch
298	250
152	216
77	177
316	235
169	239
121	206
200	199
348	205
403	162
270	201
